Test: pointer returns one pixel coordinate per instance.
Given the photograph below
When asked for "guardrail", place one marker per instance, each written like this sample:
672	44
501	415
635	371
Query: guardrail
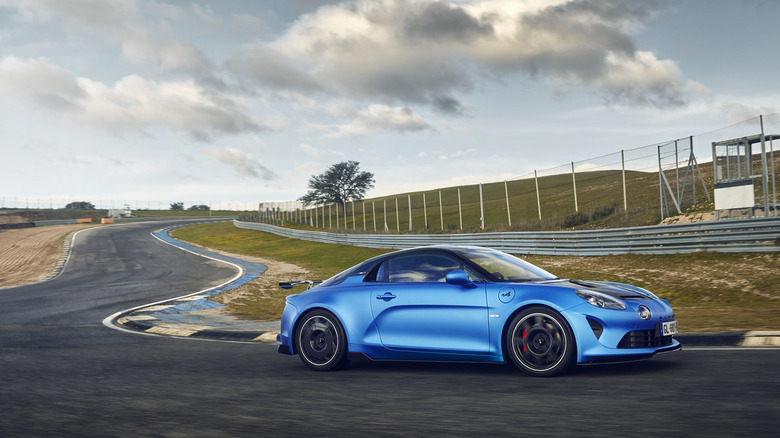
738	235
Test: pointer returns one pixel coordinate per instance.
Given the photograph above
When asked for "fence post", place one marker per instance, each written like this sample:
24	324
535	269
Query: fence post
772	160
625	198
691	158
661	183
384	213
508	214
409	198
441	212
425	212
397	218
373	213
538	201
353	215
364	215
574	184
764	169
481	209
677	171
460	211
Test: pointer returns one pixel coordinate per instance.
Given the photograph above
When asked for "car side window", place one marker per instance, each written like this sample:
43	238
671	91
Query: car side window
421	268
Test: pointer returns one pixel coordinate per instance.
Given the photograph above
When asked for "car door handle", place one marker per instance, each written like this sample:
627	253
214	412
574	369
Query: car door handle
387	296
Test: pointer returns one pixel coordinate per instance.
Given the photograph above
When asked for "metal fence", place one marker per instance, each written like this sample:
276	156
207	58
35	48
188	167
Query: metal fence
647	184
738	235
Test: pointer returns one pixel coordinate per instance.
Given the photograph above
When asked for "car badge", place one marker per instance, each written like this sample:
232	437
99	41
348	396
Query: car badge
506	294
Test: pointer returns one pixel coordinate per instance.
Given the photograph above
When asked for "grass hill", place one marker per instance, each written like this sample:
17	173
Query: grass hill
599	202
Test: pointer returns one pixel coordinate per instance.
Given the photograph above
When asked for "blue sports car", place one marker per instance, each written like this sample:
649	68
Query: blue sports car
454	303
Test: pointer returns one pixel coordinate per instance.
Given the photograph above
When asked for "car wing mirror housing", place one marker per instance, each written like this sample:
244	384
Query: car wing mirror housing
460	278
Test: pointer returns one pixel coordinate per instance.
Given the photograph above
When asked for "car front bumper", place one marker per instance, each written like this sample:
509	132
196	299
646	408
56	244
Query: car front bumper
607	335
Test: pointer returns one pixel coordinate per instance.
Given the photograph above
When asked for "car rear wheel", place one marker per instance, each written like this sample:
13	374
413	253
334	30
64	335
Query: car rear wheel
321	342
540	342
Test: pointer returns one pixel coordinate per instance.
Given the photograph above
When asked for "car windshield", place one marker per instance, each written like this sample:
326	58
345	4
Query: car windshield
505	267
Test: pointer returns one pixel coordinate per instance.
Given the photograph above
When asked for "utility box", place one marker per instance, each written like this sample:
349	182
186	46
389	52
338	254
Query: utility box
734	195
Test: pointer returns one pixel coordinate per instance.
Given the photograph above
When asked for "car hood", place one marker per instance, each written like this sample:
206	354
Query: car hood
617	290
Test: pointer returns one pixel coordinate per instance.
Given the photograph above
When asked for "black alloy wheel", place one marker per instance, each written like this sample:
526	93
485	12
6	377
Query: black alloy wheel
540	342
321	342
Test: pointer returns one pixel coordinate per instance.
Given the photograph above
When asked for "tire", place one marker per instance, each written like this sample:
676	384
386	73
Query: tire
320	341
539	342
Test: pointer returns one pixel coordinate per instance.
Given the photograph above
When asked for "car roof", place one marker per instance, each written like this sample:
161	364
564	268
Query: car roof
451	249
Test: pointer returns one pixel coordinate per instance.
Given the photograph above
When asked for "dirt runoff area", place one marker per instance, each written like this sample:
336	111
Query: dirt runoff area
253	298
30	255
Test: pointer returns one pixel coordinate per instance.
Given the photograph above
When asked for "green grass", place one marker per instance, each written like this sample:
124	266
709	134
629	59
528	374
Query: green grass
710	292
320	259
596	191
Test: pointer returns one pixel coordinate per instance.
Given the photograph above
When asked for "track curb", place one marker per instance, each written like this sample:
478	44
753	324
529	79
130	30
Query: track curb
182	316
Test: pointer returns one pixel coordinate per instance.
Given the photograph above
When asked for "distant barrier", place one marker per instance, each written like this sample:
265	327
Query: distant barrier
116	220
740	235
16	225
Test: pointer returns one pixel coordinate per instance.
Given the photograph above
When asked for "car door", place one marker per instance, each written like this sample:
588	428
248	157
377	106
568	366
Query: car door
415	309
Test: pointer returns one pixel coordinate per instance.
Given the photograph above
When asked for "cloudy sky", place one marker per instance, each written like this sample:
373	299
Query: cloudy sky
231	100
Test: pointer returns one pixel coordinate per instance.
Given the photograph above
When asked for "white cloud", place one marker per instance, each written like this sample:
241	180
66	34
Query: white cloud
269	67
309	150
39	82
132	104
131	23
112	16
380	118
431	51
165	55
457	154
243	164
739	112
135	103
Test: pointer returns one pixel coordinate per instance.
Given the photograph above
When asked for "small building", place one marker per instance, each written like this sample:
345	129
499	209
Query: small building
738	174
120	212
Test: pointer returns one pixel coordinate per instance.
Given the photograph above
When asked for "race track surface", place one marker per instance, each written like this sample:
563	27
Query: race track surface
66	374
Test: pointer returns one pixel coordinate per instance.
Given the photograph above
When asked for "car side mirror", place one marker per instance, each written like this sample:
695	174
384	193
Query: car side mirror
460	278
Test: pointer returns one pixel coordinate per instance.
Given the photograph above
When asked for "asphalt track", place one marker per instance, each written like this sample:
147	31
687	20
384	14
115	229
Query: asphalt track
66	374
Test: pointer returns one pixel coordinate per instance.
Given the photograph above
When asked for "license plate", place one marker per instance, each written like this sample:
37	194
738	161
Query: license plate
669	328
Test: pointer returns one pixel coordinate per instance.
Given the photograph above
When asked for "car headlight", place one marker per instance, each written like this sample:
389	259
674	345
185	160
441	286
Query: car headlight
599	299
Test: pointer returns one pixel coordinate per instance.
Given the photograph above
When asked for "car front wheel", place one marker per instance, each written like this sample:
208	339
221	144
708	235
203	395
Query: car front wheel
321	342
540	342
